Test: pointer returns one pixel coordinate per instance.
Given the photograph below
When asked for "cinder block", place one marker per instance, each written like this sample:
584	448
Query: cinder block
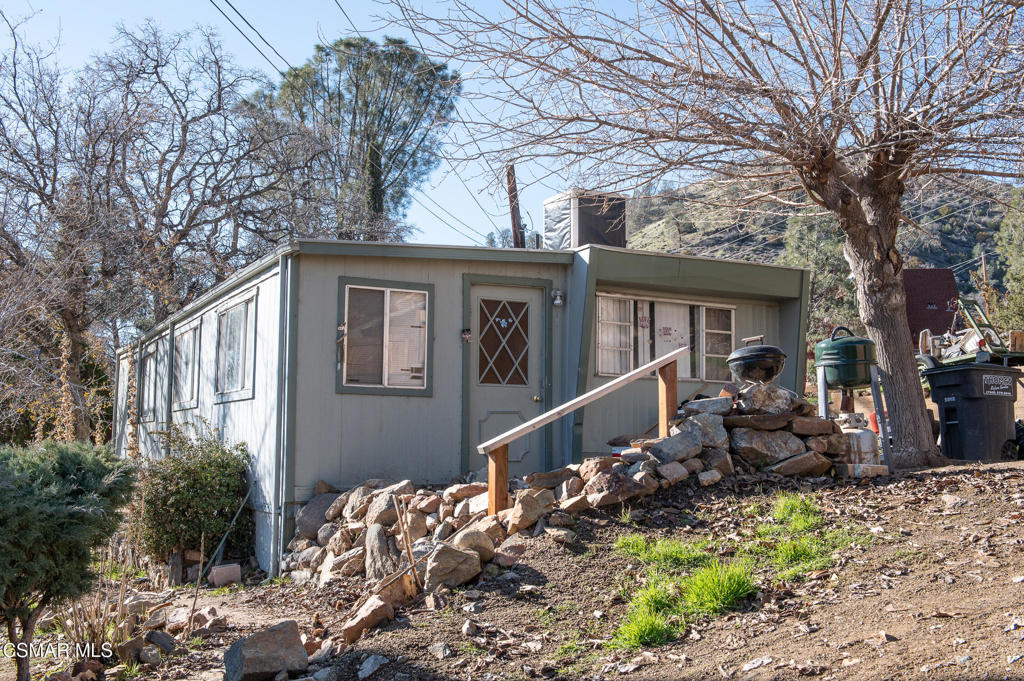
860	470
229	573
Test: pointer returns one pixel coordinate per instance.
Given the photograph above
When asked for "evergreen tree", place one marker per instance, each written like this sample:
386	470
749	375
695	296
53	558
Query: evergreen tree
1009	310
58	503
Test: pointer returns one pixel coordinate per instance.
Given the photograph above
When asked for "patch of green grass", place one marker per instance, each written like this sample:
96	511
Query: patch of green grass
797	512
471	648
664	554
194	642
643	627
716	587
274	581
131	670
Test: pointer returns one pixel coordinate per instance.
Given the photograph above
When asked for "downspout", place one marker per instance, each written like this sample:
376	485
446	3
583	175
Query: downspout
276	519
287	304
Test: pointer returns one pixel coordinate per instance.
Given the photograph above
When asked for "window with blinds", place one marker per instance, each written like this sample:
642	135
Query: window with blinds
186	356
385	338
633	331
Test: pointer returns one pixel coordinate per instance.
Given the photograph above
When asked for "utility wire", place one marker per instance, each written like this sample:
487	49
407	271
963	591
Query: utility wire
257	32
454	216
446	223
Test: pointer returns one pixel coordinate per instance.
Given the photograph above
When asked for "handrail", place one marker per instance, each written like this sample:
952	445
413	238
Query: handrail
496	448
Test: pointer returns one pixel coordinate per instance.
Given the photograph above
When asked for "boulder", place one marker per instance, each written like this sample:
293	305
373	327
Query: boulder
693	466
340	542
492	527
298	544
313	515
370	665
810	425
416	523
560	519
719	460
591	467
646	483
420	549
167	643
477	503
129	650
177	620
526	511
709	477
457	493
381	555
550	479
574	504
759	421
371	613
673	472
326	532
323	487
510	550
765	398
569	488
711	405
303	559
709	428
266	653
426	503
808	464
560	535
684	445
817	444
444	530
381	511
764	447
336	510
358	501
545	496
147	655
610	487
478	541
450	565
351	563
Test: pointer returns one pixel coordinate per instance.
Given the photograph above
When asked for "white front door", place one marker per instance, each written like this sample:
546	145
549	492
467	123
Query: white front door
507	371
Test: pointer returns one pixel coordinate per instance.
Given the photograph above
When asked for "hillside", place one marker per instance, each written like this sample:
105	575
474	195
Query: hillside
956	225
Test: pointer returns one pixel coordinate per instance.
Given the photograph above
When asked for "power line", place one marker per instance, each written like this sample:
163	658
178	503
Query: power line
350	22
256	30
246	36
454	216
445	222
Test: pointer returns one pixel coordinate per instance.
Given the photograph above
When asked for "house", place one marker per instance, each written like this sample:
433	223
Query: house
344	361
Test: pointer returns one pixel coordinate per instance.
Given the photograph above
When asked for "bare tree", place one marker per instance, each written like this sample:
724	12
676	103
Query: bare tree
841	101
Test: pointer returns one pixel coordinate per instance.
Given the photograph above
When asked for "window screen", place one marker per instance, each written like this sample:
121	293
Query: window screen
407	338
364	332
675	325
385	337
148	382
717	343
615	332
185	366
231	360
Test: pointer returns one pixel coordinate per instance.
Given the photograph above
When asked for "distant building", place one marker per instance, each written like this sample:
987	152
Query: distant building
931	300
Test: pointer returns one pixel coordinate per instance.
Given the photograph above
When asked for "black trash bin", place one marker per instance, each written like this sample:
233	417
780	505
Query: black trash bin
975	410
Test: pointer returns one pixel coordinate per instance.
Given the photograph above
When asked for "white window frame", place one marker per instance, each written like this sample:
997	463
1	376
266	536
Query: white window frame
147	382
704	331
248	349
700	334
385	340
600	321
194	327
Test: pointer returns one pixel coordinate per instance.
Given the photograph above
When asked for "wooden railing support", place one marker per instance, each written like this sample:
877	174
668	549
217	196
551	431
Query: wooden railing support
668	405
496	448
497	479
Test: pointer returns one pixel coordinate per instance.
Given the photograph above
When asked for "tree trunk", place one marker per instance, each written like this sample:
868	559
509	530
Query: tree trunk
21	662
881	298
73	421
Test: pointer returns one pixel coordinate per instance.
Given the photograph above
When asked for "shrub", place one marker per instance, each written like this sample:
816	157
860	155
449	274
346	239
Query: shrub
58	503
193	492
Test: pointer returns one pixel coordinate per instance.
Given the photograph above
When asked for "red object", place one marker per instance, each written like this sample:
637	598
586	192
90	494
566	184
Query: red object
873	421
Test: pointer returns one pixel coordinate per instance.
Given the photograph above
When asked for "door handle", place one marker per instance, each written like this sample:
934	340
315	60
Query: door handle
538	398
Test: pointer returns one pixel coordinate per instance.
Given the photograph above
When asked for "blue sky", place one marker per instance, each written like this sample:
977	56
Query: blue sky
87	28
